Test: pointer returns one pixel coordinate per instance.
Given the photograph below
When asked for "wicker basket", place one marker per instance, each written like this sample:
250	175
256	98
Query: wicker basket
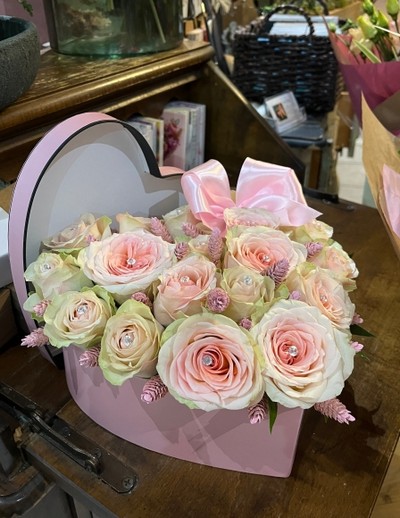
267	64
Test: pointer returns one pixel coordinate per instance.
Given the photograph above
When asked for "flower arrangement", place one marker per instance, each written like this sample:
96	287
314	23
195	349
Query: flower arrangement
366	48
375	35
236	300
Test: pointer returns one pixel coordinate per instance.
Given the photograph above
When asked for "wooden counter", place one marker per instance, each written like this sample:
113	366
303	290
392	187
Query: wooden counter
338	469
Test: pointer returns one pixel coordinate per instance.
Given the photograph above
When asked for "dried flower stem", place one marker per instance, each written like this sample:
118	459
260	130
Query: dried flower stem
334	409
90	358
258	412
158	228
153	390
36	338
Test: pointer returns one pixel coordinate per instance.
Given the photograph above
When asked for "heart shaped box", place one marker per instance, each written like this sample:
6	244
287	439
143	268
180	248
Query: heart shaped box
95	163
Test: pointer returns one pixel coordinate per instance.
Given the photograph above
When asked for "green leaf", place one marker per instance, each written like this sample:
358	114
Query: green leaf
357	330
367	53
272	412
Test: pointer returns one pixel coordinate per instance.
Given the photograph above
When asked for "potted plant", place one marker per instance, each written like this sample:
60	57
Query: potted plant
19	55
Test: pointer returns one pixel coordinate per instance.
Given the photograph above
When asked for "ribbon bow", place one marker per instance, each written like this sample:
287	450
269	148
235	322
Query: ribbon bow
260	185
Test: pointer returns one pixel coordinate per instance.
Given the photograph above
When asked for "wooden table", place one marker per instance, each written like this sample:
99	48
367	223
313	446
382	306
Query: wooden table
338	469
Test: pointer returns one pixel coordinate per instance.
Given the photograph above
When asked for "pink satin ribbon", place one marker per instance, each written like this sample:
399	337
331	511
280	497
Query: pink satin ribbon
260	185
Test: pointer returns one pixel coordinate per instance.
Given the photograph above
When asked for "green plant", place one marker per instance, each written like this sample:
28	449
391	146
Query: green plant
27	6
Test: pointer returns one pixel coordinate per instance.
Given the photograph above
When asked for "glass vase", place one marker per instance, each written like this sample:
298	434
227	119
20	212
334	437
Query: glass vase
113	28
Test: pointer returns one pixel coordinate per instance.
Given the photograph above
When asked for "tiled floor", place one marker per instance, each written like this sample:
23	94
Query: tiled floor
351	176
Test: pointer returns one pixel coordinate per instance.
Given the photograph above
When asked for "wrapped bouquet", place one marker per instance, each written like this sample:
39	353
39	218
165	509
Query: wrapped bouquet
237	300
368	53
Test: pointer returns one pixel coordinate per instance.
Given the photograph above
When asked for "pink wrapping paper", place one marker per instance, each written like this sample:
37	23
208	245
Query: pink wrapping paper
382	166
375	81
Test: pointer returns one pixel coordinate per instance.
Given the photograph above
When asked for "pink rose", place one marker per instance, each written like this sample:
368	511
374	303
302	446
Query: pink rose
126	263
207	361
319	288
183	288
307	358
259	248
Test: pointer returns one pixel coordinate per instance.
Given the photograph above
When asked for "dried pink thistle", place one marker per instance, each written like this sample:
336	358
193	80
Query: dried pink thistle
158	228
153	389
90	239
90	358
36	338
40	308
357	319
215	245
278	271
181	250
295	295
313	248
246	323
143	298
190	230
258	412
357	346
334	409
217	300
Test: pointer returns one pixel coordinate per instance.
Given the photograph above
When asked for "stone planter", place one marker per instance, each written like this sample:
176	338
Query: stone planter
19	58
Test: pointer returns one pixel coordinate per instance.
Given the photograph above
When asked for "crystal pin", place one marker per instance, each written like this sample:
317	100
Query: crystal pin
207	360
293	351
127	341
131	261
81	310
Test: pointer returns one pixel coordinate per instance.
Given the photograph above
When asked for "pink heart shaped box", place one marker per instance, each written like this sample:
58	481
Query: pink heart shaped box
95	163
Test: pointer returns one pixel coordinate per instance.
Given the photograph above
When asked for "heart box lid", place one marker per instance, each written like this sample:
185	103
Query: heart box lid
91	162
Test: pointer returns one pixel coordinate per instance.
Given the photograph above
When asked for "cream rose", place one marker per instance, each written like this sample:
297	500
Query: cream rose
319	288
127	263
313	231
175	219
78	235
128	223
207	361
130	343
78	317
238	216
248	291
259	248
183	288
332	257
307	358
51	274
